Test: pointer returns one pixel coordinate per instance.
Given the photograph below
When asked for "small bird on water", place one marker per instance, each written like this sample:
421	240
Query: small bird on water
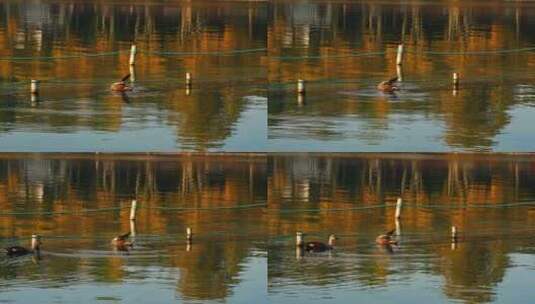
16	251
121	86
386	239
388	86
121	241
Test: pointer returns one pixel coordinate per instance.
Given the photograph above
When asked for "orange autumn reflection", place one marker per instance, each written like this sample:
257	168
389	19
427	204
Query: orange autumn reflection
343	49
79	202
77	49
489	198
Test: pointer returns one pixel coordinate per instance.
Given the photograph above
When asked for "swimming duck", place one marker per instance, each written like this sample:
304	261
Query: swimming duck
386	239
319	246
16	251
121	241
121	86
388	85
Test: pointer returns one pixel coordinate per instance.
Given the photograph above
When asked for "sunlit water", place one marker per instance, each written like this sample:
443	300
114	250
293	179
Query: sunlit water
79	203
490	200
78	48
343	49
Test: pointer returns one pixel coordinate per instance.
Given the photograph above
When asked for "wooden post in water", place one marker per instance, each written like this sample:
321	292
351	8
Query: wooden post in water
299	239
132	228
300	86
133	210
299	252
132	70
453	234
399	73
398	208
34	87
188	83
188	80
189	239
133	52
453	237
189	234
399	58
133	231
300	100
36	243
455	81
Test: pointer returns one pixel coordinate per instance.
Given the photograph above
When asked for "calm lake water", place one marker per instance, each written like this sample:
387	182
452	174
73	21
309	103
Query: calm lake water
78	48
78	203
490	199
244	210
343	49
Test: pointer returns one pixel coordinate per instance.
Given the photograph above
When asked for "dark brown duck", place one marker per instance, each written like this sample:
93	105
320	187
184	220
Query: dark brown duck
388	86
121	86
386	239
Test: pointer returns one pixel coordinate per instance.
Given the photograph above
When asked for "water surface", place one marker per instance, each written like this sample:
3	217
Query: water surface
78	203
490	199
78	48
343	49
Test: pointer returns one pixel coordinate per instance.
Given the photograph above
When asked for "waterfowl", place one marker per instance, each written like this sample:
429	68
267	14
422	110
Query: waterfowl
319	246
388	85
16	251
121	86
386	239
121	241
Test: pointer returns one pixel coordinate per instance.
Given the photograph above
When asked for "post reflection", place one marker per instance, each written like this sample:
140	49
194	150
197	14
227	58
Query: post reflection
80	202
489	199
77	49
344	49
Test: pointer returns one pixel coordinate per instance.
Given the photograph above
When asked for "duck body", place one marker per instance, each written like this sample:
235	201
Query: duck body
15	251
121	241
121	86
386	239
317	247
388	86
